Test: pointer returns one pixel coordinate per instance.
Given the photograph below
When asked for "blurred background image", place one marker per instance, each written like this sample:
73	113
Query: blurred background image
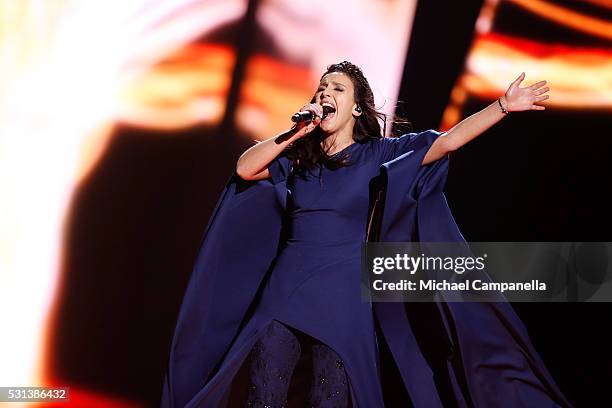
121	122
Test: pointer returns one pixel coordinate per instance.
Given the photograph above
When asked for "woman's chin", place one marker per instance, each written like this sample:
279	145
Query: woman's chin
328	126
327	129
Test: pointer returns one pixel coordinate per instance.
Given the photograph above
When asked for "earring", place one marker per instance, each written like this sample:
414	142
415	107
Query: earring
358	109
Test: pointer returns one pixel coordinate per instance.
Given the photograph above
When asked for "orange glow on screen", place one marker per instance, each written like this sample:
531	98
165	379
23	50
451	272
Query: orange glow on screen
579	76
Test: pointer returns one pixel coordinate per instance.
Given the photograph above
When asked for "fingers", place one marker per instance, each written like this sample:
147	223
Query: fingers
541	91
311	126
541	98
537	85
306	128
537	107
518	80
314	108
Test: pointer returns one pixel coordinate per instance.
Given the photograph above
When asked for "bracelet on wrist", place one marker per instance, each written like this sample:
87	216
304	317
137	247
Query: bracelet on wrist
504	110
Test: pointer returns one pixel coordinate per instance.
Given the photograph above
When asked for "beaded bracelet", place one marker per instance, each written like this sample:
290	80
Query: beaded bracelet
502	106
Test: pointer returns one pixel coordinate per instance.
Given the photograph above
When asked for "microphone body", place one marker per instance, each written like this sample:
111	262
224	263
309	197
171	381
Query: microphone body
309	116
305	116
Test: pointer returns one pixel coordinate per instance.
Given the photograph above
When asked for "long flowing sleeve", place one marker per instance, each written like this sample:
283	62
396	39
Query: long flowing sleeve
489	345
389	148
279	168
207	323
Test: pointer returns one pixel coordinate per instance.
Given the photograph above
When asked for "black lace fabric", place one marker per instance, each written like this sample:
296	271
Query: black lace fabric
273	360
329	387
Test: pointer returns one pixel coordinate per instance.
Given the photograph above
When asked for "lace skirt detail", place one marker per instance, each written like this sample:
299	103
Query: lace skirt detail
273	360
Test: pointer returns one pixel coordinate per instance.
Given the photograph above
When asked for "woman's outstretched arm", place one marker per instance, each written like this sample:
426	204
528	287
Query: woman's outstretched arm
516	99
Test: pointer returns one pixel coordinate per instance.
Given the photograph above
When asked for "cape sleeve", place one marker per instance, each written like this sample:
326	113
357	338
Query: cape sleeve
389	148
489	339
279	168
406	178
489	345
231	264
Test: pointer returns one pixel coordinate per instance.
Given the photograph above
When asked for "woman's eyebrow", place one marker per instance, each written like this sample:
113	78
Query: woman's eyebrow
335	83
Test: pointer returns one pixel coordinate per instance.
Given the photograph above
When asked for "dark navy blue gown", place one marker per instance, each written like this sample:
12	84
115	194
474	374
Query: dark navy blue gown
314	286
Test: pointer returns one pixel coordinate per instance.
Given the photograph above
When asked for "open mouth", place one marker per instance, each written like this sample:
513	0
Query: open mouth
329	110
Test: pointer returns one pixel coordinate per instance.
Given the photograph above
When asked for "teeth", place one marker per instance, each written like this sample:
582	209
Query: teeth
329	105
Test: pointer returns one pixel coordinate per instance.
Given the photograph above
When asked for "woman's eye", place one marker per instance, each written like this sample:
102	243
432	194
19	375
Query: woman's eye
338	89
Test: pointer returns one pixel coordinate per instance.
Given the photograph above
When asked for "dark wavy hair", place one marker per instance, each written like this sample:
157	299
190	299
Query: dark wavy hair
306	153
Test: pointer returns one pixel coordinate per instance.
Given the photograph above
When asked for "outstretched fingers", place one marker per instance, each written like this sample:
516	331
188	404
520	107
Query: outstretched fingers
537	85
527	98
518	80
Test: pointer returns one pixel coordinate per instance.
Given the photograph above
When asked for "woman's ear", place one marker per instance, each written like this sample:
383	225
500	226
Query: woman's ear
357	110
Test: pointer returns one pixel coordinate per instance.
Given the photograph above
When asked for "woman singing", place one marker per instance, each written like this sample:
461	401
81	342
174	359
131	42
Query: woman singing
278	273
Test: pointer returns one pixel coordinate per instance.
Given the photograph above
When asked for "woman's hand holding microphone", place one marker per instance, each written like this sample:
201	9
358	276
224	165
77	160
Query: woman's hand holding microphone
304	127
253	163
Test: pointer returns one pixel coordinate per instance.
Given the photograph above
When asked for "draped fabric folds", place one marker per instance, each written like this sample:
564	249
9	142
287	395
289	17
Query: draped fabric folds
491	361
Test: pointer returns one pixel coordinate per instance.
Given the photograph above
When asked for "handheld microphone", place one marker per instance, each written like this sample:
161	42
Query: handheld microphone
308	116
